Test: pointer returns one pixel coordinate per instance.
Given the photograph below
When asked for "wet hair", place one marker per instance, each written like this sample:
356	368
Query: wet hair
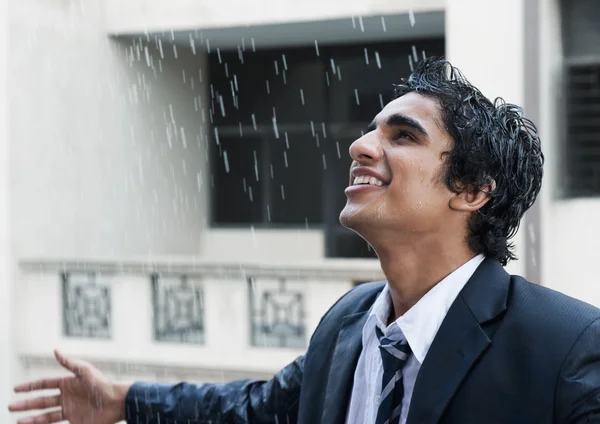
493	143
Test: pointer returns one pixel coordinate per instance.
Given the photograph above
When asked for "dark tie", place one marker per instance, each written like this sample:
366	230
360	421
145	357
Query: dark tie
394	355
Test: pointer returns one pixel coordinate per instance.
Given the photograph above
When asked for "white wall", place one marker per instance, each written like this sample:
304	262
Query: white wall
485	41
153	15
93	171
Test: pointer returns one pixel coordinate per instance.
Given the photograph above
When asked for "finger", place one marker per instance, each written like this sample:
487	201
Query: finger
46	383
47	418
37	403
74	365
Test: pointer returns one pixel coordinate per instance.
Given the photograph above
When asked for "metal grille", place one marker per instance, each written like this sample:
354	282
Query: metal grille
583	129
277	314
178	310
86	307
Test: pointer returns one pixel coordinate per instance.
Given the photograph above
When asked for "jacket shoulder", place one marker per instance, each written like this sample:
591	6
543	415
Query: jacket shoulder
551	308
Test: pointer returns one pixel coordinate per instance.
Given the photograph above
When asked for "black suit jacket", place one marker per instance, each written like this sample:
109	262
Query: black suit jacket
508	352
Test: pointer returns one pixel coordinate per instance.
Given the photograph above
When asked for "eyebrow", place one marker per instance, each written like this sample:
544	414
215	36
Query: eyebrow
397	120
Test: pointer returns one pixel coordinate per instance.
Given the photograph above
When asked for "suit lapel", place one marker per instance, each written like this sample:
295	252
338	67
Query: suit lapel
343	364
460	341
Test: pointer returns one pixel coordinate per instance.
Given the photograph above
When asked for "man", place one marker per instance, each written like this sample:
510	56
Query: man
438	186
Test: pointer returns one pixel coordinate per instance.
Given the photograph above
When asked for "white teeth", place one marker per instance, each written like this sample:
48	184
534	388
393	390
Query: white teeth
363	179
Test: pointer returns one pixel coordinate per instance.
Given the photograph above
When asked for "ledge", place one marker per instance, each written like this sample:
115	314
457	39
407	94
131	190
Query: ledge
355	270
161	372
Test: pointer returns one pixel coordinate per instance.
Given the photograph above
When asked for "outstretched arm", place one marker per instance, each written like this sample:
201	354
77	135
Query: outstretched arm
242	401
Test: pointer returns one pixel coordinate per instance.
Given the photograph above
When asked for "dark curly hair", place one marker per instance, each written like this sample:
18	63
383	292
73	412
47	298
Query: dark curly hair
493	143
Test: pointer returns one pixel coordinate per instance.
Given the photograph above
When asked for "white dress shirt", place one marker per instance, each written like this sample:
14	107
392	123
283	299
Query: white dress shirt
418	325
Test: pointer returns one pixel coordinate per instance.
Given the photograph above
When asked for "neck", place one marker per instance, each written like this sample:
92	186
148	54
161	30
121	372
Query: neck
412	271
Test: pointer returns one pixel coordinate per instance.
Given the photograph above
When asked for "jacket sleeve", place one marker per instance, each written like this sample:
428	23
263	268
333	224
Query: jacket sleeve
241	401
578	389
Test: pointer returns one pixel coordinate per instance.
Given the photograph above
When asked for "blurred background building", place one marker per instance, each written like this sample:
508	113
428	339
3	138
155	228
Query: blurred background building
173	169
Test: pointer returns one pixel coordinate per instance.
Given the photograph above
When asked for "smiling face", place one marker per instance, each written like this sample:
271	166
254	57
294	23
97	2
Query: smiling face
396	181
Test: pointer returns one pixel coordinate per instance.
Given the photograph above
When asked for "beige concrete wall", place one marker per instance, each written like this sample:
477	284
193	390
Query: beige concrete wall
99	162
134	16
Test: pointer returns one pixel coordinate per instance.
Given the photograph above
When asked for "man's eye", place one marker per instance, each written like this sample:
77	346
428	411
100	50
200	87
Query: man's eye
401	135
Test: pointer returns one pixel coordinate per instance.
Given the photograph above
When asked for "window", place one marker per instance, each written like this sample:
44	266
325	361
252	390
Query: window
283	121
582	85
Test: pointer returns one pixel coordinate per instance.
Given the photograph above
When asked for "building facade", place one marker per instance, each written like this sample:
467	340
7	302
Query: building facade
173	169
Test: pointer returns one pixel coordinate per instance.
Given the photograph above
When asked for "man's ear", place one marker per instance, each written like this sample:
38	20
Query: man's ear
468	200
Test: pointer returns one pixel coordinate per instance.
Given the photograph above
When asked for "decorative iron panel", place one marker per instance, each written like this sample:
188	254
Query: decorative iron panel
276	314
582	145
178	310
86	306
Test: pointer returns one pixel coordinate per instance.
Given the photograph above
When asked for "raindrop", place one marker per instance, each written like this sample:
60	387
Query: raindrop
317	47
410	63
339	73
160	49
327	78
337	145
332	65
284	62
250	196
240	55
414	52
245	185
356	96
268	213
253	46
353	23
217	135
192	44
200	75
302	96
317	140
383	24
306	222
275	130
183	75
411	17
172	35
241	132
282	193
380	100
285	160
226	161
276	67
366	56
323	129
268	89
196	104
208	45
226	70
284	78
147	54
360	21
183	139
312	128
324	161
219	54
199	181
287	142
254	121
378	60
255	165
235	83
243	44
424	57
175	51
272	174
222	105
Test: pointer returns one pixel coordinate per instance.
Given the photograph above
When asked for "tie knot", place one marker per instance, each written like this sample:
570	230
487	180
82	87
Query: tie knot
394	353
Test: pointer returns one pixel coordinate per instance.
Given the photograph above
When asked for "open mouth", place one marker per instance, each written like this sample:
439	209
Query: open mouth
365	179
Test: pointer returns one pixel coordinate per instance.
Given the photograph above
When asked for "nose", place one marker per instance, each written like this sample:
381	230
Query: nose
367	149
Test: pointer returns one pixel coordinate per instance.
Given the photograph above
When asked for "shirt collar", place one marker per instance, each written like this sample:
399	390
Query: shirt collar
420	324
